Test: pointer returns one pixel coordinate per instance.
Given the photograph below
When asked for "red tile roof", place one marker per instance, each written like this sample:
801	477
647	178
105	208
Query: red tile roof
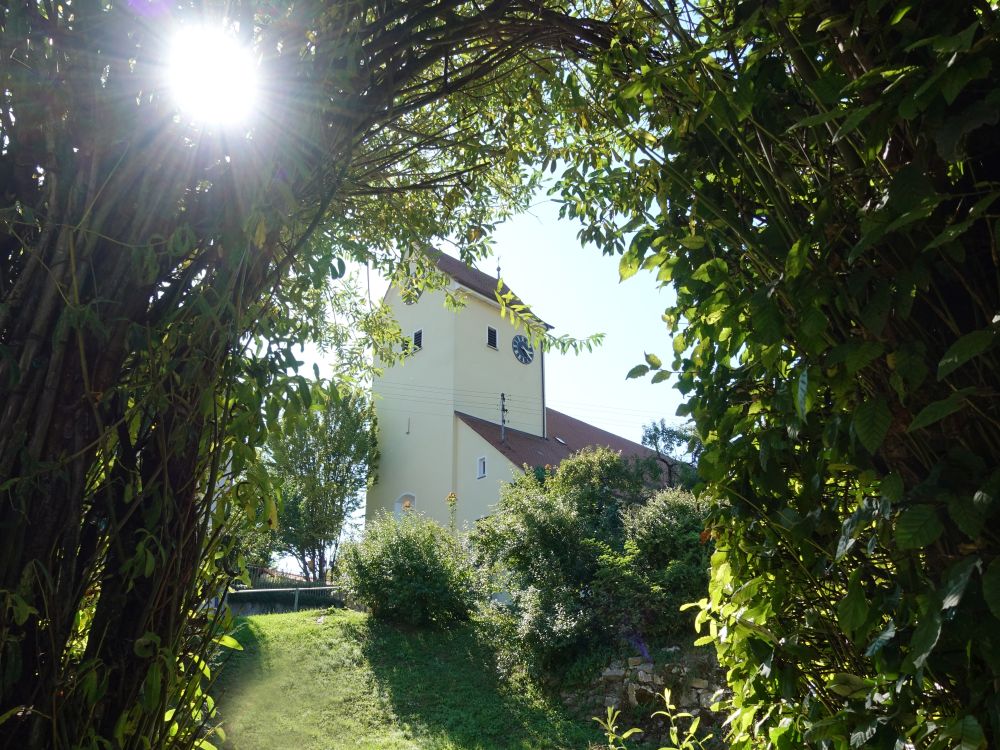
567	435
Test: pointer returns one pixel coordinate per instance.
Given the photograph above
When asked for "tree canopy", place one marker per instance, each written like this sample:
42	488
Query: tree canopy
818	183
154	277
321	461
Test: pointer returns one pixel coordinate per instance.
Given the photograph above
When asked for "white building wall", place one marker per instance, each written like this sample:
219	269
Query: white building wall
415	411
483	373
425	450
478	497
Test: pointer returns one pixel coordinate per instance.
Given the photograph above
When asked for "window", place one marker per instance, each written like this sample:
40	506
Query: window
418	340
405	503
481	467
491	337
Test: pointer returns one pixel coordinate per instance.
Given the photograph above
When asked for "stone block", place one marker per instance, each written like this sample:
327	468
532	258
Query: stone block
646	666
644	676
611	700
645	695
697	683
634	661
612	673
707	699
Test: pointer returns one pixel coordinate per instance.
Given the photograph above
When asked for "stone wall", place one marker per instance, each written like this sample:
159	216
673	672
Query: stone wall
636	686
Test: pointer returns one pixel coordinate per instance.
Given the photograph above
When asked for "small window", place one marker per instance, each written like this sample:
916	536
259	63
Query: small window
405	504
418	340
491	337
481	467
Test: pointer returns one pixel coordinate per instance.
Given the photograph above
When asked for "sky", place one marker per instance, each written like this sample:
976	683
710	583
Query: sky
577	290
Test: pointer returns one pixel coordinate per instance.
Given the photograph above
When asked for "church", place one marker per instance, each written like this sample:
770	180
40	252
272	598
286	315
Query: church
466	411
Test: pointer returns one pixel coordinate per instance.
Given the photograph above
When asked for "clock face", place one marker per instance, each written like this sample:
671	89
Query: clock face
522	349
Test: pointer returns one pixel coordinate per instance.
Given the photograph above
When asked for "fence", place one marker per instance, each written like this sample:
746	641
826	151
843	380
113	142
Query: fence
272	578
272	590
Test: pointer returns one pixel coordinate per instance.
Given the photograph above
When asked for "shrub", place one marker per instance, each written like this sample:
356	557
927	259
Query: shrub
410	571
591	560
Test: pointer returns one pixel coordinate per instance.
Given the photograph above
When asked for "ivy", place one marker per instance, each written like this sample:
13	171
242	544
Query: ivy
818	185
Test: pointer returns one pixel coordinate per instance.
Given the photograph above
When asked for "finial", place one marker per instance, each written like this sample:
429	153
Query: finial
498	268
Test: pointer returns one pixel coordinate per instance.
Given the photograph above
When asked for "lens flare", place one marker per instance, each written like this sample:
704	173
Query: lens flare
212	77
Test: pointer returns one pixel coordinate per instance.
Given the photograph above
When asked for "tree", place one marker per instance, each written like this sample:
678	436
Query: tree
321	461
677	448
154	278
819	184
593	557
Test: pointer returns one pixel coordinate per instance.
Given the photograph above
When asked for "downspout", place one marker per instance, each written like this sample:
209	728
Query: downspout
541	361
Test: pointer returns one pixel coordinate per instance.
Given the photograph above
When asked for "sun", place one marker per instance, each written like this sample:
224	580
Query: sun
211	76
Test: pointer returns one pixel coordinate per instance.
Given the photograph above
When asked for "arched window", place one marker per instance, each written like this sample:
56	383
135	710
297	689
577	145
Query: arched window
405	502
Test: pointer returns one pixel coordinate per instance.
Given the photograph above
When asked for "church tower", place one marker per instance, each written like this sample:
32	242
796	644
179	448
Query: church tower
469	367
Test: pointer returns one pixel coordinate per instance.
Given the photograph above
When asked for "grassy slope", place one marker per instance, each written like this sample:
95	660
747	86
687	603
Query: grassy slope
351	683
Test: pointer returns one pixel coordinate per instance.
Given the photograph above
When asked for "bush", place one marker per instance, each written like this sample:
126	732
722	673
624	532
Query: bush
410	571
591	560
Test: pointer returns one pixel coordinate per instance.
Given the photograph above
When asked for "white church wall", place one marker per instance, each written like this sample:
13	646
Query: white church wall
483	373
415	411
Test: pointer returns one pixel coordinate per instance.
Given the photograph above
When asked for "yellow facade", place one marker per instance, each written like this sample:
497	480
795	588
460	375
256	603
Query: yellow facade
427	452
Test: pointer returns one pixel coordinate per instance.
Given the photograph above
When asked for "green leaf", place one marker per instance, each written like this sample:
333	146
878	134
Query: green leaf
900	13
227	641
846	684
854	119
917	526
628	266
891	488
853	608
661	376
940	409
871	423
715	266
925	638
862	355
796	260
692	242
802	400
967	515
955	581
637	372
967	732
653	361
969	346
881	640
991	587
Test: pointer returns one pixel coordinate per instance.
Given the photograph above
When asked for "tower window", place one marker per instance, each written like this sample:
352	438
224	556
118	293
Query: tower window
418	340
491	337
481	467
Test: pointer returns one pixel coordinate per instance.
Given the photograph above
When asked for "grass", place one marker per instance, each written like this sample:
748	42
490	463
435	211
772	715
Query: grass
349	682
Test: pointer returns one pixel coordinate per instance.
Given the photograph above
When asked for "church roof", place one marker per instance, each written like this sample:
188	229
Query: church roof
477	281
567	435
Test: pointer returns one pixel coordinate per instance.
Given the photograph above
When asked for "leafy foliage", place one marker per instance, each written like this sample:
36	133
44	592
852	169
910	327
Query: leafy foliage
678	448
321	460
155	277
590	560
819	184
412	571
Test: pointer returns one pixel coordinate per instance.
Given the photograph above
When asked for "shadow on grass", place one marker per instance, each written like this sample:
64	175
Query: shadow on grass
445	683
234	666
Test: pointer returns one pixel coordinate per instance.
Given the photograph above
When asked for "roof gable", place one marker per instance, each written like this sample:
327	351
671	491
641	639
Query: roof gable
481	283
